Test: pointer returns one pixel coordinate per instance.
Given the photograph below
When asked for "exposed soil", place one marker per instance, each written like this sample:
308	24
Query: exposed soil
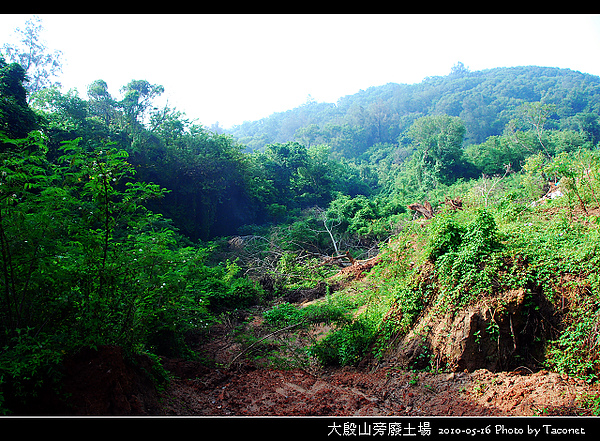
248	388
104	382
352	392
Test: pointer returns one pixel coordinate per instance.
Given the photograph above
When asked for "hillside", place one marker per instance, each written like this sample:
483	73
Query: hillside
150	266
486	363
485	100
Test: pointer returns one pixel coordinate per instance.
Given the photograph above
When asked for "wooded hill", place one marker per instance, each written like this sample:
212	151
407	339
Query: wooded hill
486	101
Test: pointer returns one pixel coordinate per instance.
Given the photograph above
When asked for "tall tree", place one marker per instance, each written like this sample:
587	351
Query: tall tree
101	103
137	98
16	118
41	65
438	139
459	70
589	125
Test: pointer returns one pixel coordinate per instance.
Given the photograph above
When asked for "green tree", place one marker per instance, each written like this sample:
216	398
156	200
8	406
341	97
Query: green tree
533	118
459	70
308	134
63	111
137	98
346	140
589	125
16	118
438	141
282	162
84	263
315	181
494	155
32	54
101	104
204	172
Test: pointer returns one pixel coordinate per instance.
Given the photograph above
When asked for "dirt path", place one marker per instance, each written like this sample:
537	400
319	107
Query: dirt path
350	392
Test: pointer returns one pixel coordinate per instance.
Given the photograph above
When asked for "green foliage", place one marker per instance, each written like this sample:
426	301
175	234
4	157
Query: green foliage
84	263
352	332
399	279
40	64
574	352
100	211
16	118
346	345
27	362
494	154
444	236
439	141
467	270
241	293
284	314
486	101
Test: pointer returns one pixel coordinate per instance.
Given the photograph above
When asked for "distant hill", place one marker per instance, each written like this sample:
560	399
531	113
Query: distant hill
485	100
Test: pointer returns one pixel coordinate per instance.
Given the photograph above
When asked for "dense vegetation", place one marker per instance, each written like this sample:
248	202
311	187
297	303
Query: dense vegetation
486	101
122	223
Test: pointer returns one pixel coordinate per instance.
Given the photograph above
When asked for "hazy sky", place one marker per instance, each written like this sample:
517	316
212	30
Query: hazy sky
235	68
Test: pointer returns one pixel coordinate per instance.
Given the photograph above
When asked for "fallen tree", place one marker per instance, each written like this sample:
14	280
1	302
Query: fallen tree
425	209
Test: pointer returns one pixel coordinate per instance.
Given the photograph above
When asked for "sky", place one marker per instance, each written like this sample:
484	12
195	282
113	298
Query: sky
231	68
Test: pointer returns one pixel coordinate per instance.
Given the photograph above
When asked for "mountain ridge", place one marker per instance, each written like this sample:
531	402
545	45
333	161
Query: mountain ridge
485	100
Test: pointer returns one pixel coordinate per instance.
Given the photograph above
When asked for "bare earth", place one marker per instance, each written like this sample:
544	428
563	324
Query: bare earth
383	392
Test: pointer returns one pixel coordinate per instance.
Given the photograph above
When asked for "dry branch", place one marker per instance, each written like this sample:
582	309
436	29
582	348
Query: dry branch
454	204
263	338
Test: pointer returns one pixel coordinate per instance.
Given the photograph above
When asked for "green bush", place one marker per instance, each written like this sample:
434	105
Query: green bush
27	363
83	263
238	293
244	293
284	314
470	262
444	236
326	312
346	345
574	352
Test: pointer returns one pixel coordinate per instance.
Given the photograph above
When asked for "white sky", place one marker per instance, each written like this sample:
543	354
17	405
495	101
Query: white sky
235	68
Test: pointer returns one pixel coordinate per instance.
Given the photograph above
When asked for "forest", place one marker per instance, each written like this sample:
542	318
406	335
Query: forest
130	225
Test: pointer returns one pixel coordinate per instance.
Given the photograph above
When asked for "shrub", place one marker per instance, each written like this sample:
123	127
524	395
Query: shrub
29	362
346	345
467	269
444	236
575	351
238	294
284	314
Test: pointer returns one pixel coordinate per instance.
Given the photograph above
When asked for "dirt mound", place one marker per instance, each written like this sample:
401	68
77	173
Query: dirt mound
500	333
102	382
358	270
99	382
386	389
